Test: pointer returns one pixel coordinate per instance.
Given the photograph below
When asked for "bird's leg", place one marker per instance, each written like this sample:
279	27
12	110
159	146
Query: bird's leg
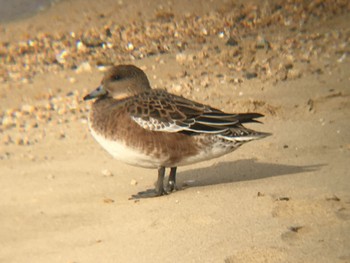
158	191
172	180
160	182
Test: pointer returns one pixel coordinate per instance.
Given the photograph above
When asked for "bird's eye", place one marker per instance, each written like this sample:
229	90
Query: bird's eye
116	77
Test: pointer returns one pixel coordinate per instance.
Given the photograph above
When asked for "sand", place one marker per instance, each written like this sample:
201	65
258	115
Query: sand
282	199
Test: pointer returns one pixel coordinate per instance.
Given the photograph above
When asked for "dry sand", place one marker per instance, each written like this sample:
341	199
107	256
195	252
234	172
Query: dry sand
282	199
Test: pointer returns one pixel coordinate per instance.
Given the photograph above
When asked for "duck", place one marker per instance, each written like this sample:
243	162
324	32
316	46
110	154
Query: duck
152	128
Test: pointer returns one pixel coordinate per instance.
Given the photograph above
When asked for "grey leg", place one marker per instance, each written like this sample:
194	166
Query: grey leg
158	191
172	179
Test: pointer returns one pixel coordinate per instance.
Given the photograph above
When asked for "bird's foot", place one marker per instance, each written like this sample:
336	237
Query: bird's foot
149	193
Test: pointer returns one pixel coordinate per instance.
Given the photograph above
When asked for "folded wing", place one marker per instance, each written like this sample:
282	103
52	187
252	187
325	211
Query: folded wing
158	110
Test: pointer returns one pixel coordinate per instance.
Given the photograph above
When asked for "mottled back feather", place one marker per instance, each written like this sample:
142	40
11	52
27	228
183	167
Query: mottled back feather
157	110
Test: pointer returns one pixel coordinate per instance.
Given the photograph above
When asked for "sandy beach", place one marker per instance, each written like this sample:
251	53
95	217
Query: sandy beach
285	198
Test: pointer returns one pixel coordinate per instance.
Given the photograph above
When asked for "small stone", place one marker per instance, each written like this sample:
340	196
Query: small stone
342	58
61	57
92	41
72	80
236	80
101	68
50	177
61	135
26	141
25	81
133	182
8	122
261	43
106	172
293	74
310	104
181	58
31	157
18	114
108	200
84	67
19	141
10	112
48	106
62	111
333	198
295	228
130	46
107	45
81	46
29	109
7	139
283	198
204	31
232	42
205	83
5	156
251	75
177	88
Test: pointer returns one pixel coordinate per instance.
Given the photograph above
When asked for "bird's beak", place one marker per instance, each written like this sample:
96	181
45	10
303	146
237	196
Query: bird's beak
99	92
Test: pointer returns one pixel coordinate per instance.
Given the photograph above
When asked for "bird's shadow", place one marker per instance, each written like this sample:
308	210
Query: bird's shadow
241	170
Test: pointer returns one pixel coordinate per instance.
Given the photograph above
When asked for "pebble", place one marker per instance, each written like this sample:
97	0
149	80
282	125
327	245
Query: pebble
72	80
29	109
108	200
221	35
5	156
106	172
250	75
61	57
176	88
8	122
83	67
342	58
130	46
50	177
294	74
19	141
81	46
181	58
261	43
133	182
61	135
26	141
6	139
232	42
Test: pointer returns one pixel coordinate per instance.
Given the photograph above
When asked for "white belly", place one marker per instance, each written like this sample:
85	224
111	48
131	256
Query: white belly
120	151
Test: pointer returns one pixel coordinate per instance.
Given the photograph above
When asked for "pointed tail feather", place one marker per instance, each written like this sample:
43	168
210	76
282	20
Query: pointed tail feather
249	117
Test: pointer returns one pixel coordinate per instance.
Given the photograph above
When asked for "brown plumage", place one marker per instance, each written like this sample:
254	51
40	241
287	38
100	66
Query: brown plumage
156	129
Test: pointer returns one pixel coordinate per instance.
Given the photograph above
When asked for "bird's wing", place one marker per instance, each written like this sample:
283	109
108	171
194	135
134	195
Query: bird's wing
158	110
